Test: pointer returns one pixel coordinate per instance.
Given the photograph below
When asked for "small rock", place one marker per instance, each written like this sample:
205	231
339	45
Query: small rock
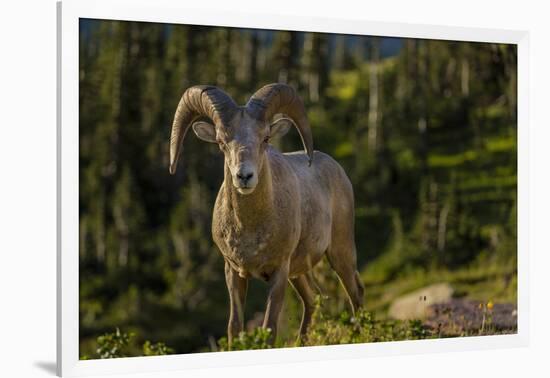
416	305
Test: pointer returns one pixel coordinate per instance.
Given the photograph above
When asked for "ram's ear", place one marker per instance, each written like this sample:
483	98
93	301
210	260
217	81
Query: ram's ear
205	131
280	127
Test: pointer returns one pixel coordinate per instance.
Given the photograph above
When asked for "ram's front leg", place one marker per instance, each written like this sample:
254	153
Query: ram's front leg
277	282
236	286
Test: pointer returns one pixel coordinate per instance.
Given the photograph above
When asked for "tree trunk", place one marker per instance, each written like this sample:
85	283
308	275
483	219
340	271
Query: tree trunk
373	118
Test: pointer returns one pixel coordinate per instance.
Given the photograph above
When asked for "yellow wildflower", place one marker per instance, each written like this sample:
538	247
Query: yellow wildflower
490	305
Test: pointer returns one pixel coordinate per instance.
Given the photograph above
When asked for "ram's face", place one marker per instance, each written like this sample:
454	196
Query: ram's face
243	142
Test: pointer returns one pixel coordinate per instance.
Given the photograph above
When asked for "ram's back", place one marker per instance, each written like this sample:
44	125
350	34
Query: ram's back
325	176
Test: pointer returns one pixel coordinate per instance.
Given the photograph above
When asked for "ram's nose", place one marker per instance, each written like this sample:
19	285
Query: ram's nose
245	177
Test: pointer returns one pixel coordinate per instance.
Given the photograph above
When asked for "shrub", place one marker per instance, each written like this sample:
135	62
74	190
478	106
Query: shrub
157	349
119	344
258	338
112	345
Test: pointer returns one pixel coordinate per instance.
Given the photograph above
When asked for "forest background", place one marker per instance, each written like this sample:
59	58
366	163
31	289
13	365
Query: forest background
425	129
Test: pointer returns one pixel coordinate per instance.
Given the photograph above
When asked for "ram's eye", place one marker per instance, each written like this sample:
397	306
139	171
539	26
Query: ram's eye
266	139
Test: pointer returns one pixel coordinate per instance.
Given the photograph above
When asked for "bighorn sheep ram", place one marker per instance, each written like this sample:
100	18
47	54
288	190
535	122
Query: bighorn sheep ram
276	214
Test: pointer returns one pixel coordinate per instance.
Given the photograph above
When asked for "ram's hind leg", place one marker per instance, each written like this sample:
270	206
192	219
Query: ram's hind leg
303	286
342	259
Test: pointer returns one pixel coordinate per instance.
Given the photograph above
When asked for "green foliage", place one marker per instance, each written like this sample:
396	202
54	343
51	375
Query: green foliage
361	328
119	344
258	338
156	349
112	345
342	329
364	327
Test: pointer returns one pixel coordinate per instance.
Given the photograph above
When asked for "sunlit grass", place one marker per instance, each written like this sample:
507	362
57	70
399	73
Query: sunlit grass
480	281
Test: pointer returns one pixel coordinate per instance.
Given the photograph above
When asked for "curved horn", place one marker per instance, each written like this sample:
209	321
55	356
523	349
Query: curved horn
198	101
281	98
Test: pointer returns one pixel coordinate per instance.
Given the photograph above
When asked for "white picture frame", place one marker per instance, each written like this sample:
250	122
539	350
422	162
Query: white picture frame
167	11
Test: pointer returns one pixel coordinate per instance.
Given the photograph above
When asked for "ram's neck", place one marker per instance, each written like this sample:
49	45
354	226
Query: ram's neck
248	210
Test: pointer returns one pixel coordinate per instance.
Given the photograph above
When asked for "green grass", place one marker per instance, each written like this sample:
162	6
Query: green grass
364	327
